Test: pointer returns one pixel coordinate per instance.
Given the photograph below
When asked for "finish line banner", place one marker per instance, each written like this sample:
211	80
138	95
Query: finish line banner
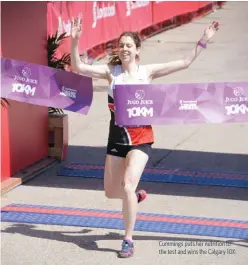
181	103
45	86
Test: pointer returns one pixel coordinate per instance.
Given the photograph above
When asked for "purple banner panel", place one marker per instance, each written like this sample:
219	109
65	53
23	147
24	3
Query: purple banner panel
45	86
181	103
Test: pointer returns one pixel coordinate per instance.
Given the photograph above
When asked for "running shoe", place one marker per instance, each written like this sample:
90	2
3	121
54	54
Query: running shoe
141	195
127	249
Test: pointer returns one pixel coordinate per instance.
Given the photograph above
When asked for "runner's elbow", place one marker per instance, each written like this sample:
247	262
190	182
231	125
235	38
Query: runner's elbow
186	63
74	66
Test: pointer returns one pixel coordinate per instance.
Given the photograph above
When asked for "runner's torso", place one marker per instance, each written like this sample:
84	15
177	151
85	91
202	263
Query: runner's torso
127	135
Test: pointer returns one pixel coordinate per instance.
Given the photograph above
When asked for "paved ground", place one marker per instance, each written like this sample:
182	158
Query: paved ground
223	147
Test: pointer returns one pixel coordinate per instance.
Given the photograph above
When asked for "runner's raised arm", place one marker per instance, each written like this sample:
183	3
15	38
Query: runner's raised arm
94	71
159	70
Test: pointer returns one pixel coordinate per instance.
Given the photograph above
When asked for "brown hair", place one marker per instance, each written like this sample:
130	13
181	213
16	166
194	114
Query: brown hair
114	57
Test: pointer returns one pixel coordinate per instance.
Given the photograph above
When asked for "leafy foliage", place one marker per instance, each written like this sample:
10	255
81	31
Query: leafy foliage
53	43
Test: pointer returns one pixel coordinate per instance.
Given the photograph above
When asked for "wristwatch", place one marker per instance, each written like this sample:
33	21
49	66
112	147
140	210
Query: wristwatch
203	45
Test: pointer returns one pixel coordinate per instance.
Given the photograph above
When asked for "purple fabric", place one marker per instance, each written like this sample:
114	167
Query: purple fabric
45	86
203	45
181	103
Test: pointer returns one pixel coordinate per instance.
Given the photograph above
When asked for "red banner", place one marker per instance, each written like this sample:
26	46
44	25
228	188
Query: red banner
134	15
163	10
204	3
104	21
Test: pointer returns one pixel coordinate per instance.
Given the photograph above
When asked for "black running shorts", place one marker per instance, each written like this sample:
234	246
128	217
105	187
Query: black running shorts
122	150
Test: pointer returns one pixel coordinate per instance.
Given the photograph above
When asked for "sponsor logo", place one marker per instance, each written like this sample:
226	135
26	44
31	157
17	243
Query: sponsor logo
139	95
113	150
102	12
130	5
238	92
68	92
188	105
26	72
64	27
140	102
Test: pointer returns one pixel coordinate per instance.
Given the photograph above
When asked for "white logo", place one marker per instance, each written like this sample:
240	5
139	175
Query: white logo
238	91
21	88
104	11
140	111
236	109
113	150
188	105
134	5
64	26
140	94
239	98
26	72
128	5
68	92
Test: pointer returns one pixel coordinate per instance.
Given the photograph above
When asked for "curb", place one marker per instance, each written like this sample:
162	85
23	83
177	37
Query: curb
27	174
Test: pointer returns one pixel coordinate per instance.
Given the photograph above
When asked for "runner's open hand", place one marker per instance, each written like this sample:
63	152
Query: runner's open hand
210	31
76	28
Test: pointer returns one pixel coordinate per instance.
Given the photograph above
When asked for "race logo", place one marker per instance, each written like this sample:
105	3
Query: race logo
188	105
239	103
236	109
141	108
27	83
102	12
140	111
23	88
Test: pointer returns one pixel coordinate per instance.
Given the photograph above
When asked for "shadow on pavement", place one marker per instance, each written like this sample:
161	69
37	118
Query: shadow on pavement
169	159
89	242
160	158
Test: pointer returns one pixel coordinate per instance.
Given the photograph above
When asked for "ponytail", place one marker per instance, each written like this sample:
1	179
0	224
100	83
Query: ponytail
114	59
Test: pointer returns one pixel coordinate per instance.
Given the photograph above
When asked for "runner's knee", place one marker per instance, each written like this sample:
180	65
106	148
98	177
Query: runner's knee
128	186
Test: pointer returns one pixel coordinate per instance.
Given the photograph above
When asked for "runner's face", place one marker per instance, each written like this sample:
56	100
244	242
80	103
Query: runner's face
127	49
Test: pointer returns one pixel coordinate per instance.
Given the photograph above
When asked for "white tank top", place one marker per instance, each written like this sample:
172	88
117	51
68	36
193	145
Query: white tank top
118	78
131	135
